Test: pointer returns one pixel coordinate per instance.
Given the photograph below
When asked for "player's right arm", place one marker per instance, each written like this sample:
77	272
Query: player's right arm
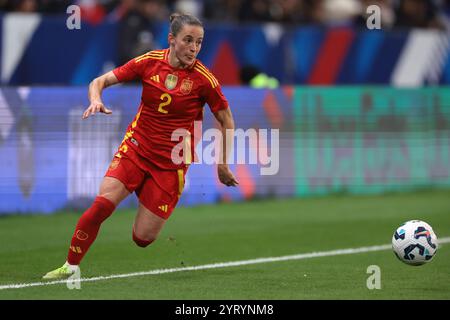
95	94
133	69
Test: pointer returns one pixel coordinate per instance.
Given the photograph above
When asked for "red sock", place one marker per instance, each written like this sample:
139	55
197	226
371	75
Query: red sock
87	228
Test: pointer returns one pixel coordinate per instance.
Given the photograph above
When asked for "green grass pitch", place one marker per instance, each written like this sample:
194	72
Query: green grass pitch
32	245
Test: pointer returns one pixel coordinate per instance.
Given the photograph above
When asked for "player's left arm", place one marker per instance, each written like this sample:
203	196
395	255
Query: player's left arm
219	106
226	121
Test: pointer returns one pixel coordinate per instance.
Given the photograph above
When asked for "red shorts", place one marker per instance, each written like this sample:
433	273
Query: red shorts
158	190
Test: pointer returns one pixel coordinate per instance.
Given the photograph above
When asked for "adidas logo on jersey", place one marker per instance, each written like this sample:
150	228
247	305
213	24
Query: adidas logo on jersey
155	78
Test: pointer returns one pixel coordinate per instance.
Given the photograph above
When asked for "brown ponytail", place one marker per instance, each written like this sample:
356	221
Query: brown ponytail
178	20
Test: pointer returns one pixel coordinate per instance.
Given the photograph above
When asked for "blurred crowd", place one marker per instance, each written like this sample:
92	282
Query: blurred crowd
137	18
394	13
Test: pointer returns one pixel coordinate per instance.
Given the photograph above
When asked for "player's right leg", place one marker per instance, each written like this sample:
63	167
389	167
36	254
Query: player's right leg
120	180
112	192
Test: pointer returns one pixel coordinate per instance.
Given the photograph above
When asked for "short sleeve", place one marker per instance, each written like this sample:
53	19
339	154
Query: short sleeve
132	70
215	99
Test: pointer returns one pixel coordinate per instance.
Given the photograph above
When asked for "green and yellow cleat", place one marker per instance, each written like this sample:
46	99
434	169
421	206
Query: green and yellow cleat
63	272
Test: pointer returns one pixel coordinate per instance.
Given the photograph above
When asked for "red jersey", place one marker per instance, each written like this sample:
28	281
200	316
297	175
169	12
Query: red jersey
171	99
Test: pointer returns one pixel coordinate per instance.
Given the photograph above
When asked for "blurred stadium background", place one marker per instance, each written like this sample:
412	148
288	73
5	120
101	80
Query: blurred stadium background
363	114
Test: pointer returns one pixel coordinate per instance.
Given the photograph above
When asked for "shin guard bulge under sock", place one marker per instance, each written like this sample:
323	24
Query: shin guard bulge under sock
87	228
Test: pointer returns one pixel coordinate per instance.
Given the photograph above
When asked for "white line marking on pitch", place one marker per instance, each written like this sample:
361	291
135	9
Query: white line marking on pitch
214	265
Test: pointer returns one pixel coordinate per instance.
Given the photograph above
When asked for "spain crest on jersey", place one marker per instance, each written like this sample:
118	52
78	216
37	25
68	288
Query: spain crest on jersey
171	81
186	86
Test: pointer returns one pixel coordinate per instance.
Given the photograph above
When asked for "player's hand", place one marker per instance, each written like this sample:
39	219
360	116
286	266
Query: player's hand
95	107
226	176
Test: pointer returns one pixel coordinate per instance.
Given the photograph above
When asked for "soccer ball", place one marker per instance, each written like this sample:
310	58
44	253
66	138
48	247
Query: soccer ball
414	242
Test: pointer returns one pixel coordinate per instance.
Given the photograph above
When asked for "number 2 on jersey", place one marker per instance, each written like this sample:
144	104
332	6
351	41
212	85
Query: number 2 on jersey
167	99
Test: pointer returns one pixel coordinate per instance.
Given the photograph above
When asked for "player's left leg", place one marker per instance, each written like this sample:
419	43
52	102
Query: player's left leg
158	197
147	226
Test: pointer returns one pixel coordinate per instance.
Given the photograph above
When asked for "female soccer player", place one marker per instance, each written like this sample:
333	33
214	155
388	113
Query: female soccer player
176	86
